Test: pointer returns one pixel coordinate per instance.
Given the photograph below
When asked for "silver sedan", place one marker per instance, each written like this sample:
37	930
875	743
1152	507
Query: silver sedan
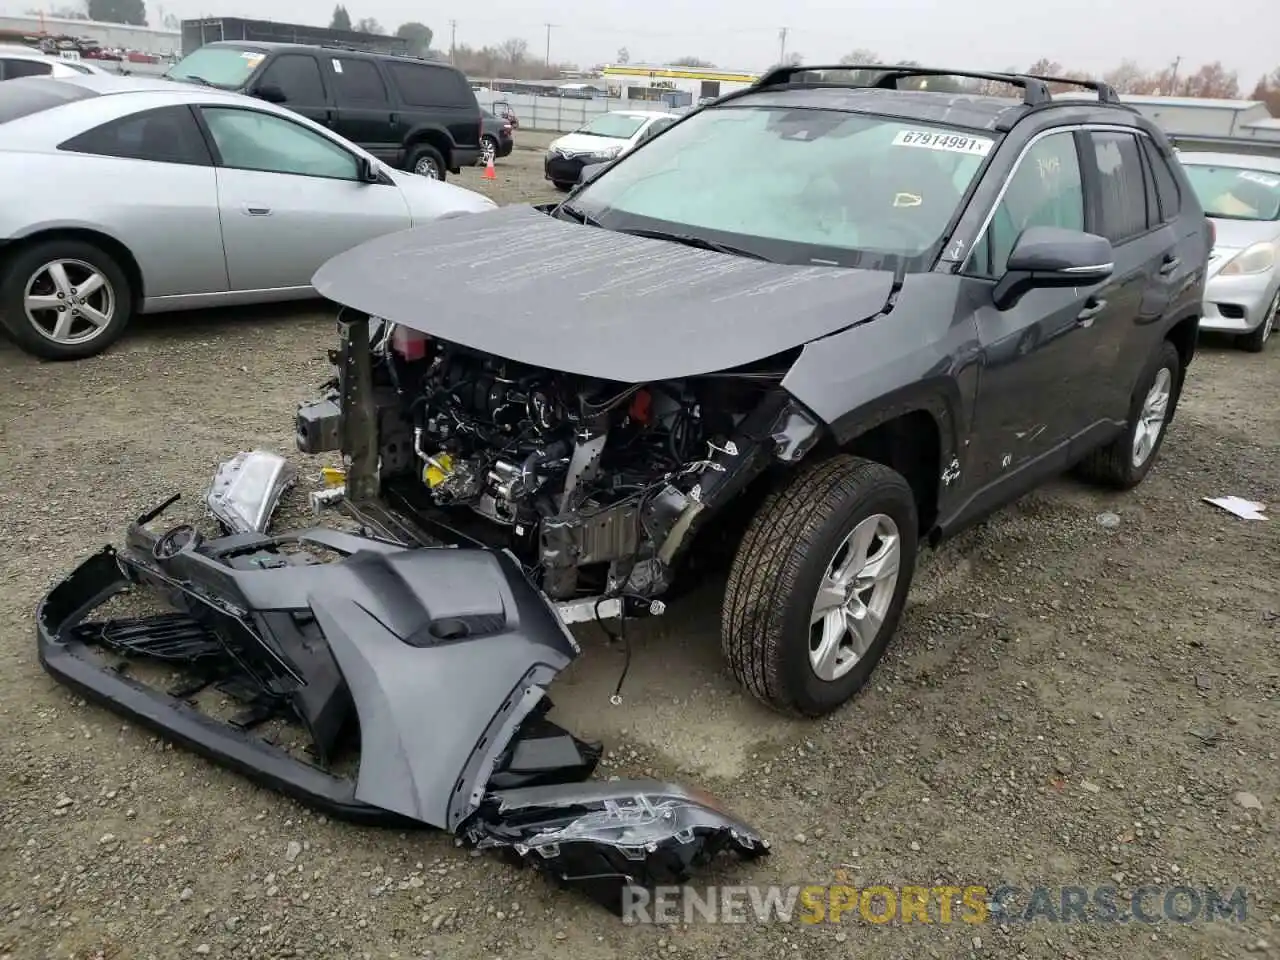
1241	196
141	196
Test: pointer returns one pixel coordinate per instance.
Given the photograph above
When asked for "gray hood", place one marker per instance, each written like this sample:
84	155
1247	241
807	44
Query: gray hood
519	284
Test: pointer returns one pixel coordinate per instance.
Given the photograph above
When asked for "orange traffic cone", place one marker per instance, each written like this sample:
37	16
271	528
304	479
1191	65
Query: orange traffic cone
489	172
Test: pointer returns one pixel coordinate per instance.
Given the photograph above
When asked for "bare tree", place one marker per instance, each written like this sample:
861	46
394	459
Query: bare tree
1268	91
694	62
624	56
860	56
1128	77
1212	80
513	51
368	25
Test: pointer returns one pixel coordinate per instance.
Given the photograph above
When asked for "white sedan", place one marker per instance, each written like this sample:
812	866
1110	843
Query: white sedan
126	195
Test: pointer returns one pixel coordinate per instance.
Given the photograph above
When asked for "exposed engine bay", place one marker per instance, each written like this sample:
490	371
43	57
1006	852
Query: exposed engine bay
596	486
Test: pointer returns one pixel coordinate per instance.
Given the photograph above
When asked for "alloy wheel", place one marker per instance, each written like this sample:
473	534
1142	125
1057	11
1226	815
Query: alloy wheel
854	596
69	301
1151	420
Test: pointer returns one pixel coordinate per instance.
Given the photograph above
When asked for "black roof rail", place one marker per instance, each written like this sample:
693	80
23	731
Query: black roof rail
1035	89
1104	90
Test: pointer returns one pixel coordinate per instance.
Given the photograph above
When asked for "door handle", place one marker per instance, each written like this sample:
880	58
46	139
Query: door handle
1094	307
395	118
1169	264
256	210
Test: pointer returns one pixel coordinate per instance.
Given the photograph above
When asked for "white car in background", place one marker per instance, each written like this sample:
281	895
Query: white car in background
604	138
1241	196
19	61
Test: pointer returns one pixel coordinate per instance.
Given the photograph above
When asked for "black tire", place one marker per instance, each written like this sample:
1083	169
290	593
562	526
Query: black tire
23	266
1257	339
1113	465
425	153
564	187
773	581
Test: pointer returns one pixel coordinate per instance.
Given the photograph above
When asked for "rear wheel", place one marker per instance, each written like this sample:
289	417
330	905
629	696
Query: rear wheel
1125	461
563	186
64	299
426	161
819	583
1256	340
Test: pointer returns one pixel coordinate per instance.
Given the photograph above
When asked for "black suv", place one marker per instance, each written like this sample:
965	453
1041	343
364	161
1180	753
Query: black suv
819	322
417	115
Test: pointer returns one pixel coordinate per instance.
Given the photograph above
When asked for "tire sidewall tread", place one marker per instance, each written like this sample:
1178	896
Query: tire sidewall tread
18	270
779	563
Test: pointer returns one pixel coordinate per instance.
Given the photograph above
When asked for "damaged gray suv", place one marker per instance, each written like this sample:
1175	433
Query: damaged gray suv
815	322
805	329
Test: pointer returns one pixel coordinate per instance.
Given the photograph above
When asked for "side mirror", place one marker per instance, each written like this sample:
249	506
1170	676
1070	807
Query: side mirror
270	93
591	171
1053	257
368	171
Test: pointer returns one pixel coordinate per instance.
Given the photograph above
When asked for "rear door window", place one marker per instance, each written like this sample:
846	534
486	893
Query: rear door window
298	77
358	82
164	135
1122	199
420	85
11	69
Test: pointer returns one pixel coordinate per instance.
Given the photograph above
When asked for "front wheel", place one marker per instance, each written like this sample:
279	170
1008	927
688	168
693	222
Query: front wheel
819	583
64	299
1256	340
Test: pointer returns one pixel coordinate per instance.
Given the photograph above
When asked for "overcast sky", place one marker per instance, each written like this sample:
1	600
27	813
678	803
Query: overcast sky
1091	35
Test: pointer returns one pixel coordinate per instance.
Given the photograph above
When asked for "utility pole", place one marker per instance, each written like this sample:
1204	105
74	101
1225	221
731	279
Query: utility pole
549	26
1173	77
782	45
453	40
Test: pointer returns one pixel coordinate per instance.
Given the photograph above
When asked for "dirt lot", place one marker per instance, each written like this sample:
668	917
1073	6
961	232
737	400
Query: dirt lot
1068	704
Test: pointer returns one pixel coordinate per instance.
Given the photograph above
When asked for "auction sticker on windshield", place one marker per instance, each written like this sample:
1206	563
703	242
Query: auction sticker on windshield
952	142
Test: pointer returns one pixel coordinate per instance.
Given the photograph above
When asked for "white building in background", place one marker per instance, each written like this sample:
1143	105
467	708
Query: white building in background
112	36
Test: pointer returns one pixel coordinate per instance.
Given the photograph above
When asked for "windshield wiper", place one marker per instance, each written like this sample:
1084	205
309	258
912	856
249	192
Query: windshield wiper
701	243
194	79
575	214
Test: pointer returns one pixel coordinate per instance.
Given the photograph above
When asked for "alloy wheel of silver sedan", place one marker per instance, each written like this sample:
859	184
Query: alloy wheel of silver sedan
1151	420
69	301
426	167
854	597
1269	324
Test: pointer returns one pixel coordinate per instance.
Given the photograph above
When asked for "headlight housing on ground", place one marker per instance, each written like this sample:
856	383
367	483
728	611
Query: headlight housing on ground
1258	258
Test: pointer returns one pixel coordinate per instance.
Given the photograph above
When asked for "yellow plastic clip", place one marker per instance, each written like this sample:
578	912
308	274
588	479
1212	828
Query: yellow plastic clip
437	469
333	476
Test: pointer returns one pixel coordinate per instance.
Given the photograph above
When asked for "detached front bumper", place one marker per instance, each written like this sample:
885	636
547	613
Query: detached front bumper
428	666
1238	304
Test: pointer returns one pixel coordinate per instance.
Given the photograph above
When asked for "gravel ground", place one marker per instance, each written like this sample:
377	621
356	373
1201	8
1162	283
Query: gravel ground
1068	703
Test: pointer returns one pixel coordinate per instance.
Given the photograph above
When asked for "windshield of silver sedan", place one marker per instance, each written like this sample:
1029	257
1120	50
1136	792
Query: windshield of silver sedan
793	185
